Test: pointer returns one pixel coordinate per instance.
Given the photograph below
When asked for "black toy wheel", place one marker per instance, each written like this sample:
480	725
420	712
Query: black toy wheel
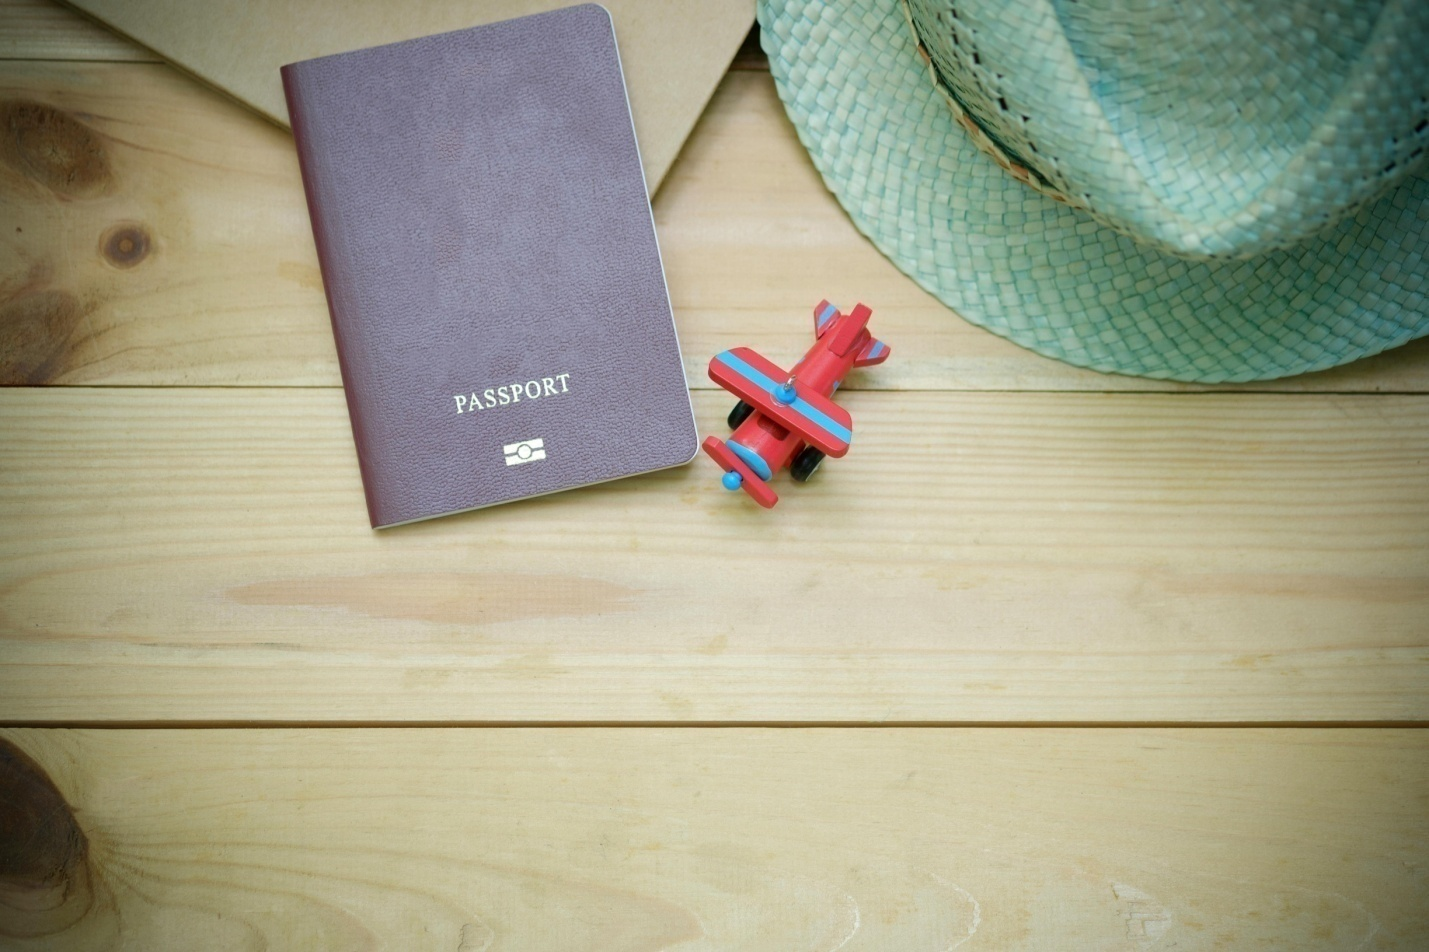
739	414
805	464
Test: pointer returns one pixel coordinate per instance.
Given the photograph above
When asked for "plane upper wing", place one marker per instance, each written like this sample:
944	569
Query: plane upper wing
822	423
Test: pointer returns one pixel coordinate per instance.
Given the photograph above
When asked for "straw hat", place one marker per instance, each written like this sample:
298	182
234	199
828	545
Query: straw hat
1223	190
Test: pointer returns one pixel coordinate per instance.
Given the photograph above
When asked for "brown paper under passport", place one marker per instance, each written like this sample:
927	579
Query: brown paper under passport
674	52
489	257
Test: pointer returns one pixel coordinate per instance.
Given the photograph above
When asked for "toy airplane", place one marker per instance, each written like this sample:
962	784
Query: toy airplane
789	419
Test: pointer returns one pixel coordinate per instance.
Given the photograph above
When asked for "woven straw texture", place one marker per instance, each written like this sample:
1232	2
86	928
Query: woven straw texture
1214	128
1058	281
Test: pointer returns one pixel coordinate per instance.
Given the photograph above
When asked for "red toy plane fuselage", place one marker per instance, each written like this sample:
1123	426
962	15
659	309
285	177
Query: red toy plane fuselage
792	411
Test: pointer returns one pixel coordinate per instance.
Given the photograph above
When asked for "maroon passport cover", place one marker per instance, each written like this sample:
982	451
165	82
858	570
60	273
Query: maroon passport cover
489	257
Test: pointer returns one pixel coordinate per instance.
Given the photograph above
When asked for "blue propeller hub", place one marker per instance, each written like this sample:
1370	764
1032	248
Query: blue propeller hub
732	480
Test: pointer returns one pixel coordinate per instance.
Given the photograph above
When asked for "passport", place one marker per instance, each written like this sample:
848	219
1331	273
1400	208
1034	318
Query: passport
489	257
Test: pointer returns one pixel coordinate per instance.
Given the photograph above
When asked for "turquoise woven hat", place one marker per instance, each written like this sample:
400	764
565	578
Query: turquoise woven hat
1225	190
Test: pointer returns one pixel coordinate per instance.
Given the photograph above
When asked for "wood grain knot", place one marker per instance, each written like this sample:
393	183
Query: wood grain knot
53	148
124	246
35	329
44	855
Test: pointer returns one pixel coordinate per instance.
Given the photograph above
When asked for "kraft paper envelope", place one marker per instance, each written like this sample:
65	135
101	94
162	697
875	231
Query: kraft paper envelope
673	52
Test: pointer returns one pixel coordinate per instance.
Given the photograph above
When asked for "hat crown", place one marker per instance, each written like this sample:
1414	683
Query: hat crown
1223	128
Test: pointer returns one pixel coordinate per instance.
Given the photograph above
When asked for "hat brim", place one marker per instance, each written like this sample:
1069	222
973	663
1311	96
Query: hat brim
1051	278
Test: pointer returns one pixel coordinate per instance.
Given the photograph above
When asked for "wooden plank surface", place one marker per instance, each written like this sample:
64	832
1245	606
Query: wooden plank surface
221	287
203	554
780	840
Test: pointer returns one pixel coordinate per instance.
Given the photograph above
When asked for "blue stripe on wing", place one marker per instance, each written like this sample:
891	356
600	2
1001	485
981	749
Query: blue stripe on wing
800	406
